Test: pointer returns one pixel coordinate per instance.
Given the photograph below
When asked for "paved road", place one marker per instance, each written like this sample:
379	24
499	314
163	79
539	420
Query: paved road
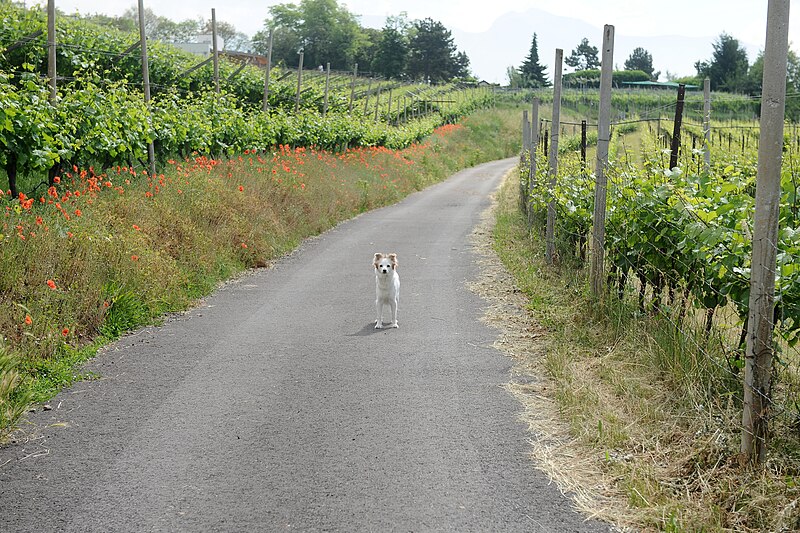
276	406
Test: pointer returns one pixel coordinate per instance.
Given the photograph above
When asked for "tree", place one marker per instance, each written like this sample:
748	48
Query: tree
323	30
231	38
640	59
532	72
584	57
728	66
515	80
756	75
432	52
161	28
391	56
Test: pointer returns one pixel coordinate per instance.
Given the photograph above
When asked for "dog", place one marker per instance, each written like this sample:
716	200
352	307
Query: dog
387	287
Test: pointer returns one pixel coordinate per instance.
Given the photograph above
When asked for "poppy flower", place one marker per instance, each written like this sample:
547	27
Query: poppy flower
65	332
28	320
51	284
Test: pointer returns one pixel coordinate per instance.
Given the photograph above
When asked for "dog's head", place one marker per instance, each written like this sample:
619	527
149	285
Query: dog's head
384	263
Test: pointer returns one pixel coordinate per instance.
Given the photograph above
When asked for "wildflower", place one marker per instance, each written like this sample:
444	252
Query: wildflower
51	284
241	189
137	228
78	212
244	245
39	221
28	320
56	180
65	332
134	257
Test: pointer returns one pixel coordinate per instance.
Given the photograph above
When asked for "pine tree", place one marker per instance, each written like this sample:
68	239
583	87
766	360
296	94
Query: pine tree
533	73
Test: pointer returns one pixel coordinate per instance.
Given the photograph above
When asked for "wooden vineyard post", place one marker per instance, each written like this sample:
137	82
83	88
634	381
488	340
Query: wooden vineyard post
707	124
523	154
353	88
151	155
675	147
299	83
215	49
266	76
597	270
550	250
760	321
327	86
51	49
533	146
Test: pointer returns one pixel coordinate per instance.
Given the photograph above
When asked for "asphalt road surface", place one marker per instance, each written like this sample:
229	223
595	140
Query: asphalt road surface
276	406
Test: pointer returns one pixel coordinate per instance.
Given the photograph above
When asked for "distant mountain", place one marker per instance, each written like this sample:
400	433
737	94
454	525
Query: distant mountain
507	43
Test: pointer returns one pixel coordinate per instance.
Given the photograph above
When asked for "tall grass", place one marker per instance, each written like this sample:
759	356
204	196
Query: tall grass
105	252
659	418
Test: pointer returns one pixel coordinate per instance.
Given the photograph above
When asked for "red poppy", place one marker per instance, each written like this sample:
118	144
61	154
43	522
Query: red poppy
51	284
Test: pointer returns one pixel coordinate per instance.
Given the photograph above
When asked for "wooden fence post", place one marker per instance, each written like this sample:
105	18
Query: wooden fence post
269	68
597	267
534	145
327	85
51	49
151	155
215	49
760	325
707	123
299	83
555	128
377	102
675	147
526	141
353	88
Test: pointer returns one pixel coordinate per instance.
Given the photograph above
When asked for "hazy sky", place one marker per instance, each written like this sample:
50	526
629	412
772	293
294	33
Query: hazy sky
743	19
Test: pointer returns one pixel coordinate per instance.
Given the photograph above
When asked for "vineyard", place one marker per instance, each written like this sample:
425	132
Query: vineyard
101	120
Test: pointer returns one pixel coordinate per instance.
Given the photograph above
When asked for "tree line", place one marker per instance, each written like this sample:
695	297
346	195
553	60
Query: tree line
326	32
728	68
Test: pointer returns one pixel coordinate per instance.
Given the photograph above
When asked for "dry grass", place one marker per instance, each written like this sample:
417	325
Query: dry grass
607	422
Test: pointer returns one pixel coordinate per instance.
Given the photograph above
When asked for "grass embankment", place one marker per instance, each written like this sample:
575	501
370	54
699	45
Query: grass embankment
100	254
643	427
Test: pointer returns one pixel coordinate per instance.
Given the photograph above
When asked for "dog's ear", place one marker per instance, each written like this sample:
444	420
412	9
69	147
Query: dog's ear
393	259
378	257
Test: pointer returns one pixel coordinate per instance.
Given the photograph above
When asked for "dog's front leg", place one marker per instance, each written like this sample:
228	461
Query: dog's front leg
393	305
378	312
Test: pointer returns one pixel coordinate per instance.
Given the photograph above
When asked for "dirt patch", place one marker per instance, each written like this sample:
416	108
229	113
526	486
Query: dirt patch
576	469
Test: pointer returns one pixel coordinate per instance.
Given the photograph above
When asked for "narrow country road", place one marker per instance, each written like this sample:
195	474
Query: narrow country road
276	406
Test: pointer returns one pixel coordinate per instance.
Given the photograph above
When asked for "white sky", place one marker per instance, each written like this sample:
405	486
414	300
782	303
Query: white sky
743	19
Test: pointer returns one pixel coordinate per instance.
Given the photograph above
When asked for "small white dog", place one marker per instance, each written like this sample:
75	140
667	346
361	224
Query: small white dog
387	287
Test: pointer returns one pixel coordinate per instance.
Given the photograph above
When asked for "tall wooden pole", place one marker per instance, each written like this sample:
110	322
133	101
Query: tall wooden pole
215	49
51	49
151	156
269	68
760	321
299	83
675	147
327	86
597	270
707	123
534	146
353	88
555	127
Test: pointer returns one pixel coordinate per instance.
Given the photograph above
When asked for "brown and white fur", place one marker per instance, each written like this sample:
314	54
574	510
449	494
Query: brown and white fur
387	287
